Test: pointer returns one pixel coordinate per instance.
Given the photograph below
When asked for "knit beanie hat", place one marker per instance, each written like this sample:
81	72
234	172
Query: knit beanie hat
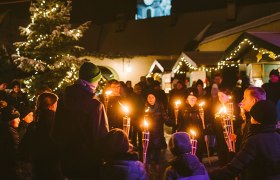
9	113
89	72
116	142
274	72
264	112
192	92
180	143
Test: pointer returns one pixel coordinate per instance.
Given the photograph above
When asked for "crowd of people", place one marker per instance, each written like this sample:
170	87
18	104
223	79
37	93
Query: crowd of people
79	135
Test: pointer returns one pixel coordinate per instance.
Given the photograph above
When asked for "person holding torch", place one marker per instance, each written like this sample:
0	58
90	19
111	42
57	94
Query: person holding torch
226	127
156	117
190	119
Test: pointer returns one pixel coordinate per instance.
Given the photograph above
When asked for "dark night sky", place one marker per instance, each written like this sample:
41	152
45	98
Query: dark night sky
101	11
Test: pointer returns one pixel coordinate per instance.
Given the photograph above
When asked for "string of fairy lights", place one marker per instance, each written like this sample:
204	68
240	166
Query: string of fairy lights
51	11
220	65
72	74
246	41
228	62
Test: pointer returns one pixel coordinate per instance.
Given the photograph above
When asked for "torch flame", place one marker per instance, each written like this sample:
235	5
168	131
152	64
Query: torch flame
202	104
177	103
147	109
108	93
223	110
193	132
125	108
146	124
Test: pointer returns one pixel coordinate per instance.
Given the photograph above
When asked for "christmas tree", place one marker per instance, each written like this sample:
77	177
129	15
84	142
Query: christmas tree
50	53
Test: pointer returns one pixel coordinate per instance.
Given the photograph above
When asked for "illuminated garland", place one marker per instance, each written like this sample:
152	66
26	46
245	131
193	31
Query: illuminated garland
261	51
228	62
220	66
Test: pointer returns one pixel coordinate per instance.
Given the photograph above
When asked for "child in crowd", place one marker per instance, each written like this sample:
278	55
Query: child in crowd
120	161
184	165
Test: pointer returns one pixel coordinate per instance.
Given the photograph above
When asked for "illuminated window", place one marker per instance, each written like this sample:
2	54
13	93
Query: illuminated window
153	8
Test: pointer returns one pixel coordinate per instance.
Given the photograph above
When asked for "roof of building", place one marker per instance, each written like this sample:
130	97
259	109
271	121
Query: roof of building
251	43
205	58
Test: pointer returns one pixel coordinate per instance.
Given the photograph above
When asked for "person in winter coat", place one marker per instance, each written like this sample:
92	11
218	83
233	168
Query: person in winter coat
26	117
17	98
3	93
272	87
120	162
80	126
160	94
156	117
45	152
260	156
9	141
115	112
189	119
137	101
24	129
223	151
251	96
177	94
184	164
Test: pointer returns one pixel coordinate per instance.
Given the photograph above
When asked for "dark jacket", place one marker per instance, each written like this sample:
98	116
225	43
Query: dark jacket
81	124
45	146
157	116
186	166
45	151
115	111
3	95
259	158
174	96
22	128
9	141
189	119
272	91
124	168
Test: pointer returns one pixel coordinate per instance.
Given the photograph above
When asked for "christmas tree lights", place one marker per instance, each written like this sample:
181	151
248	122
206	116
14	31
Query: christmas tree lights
50	51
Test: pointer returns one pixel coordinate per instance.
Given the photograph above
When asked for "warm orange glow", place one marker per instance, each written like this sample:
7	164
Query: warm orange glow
108	93
147	109
201	104
146	124
223	110
193	133
177	103
125	108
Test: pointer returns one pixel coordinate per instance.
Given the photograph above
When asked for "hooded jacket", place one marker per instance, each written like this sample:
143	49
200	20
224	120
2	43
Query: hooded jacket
124	167
186	166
